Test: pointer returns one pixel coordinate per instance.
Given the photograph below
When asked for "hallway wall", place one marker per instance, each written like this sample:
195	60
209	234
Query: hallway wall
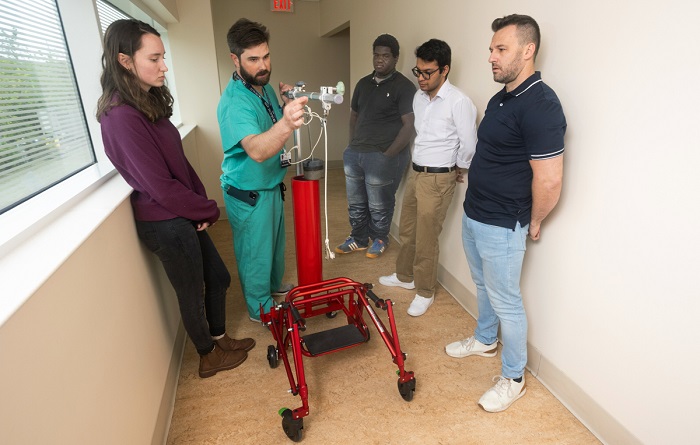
93	356
607	289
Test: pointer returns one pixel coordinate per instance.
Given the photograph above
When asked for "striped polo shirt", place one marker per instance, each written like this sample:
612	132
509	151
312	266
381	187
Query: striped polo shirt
520	126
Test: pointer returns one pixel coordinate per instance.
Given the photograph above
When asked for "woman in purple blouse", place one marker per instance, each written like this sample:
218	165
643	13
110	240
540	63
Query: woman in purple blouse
170	205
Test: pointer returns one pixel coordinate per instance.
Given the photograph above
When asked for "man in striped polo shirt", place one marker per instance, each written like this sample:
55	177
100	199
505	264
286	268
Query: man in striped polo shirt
514	182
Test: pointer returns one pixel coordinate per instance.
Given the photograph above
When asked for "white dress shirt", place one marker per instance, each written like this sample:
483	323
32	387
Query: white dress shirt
445	128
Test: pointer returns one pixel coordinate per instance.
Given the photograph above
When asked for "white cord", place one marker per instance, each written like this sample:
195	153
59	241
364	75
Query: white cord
324	132
312	115
329	253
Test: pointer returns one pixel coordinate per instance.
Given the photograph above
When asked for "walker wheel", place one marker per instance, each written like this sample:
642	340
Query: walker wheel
272	356
292	427
331	314
406	389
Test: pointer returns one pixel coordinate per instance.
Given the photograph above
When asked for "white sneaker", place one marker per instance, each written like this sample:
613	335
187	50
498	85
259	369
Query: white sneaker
502	395
470	346
419	305
391	280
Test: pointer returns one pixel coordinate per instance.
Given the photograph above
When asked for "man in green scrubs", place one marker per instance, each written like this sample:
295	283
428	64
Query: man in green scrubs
254	129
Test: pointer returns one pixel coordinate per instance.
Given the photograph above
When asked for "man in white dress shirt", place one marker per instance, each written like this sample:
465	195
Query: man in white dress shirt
445	123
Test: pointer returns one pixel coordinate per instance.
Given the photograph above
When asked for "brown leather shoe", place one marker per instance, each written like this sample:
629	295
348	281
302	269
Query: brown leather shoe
230	344
219	360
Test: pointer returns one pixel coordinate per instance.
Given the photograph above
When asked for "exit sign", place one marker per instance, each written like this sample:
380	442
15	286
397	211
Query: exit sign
282	5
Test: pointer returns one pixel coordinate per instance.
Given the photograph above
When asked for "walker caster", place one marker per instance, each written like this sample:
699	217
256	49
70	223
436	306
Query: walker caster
272	356
406	389
292	427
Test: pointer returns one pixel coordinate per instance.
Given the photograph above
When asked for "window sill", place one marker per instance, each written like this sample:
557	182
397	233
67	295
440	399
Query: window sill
60	219
39	235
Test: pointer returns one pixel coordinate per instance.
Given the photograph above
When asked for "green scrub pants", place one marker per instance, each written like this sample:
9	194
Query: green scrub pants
258	243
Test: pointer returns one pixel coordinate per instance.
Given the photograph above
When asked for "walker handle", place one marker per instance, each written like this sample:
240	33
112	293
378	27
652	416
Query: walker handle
297	317
380	303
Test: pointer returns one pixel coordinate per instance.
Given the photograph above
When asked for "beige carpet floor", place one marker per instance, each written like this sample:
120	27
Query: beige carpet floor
353	397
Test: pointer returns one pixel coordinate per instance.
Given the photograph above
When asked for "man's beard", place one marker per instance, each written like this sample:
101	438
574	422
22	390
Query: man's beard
261	79
508	74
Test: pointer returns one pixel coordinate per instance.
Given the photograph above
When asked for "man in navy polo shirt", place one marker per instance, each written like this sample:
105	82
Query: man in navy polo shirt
514	182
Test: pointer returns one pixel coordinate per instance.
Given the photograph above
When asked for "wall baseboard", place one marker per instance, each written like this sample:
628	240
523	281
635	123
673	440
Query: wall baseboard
594	417
167	402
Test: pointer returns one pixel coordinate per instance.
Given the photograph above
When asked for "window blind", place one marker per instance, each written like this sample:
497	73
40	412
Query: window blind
44	137
108	14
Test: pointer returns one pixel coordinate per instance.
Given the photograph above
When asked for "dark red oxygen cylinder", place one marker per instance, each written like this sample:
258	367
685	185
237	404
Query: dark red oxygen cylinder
307	230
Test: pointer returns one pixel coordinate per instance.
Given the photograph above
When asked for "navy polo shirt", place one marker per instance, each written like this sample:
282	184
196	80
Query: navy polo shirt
380	107
525	124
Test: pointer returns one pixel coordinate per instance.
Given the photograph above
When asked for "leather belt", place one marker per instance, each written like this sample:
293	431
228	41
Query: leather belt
422	169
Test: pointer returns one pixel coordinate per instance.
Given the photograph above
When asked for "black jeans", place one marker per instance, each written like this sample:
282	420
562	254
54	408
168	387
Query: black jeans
197	273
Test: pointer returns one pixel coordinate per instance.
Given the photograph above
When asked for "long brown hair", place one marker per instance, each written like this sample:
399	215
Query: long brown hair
120	85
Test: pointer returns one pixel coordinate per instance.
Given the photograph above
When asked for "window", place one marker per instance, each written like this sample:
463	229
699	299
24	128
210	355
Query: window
44	137
39	79
108	14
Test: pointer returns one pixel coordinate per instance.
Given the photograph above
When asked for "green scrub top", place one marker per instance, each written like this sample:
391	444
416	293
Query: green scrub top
241	113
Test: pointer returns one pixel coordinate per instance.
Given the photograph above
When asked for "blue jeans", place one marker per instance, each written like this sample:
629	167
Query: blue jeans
495	255
197	273
371	181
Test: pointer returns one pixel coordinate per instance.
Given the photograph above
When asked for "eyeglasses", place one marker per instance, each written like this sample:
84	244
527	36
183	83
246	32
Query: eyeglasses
424	74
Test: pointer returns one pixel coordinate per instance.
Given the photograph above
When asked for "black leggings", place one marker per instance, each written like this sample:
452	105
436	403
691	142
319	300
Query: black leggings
197	273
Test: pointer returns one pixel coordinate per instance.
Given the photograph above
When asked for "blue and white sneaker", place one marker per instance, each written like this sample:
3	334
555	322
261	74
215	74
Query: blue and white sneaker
350	245
376	249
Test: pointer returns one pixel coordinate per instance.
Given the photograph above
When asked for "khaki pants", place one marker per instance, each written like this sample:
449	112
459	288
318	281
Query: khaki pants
425	202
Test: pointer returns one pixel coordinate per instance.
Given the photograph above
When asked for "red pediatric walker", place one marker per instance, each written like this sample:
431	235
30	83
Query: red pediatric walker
313	297
287	322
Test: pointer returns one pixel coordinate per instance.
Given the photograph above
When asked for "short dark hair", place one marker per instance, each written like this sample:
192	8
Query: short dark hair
246	34
435	50
389	41
528	29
